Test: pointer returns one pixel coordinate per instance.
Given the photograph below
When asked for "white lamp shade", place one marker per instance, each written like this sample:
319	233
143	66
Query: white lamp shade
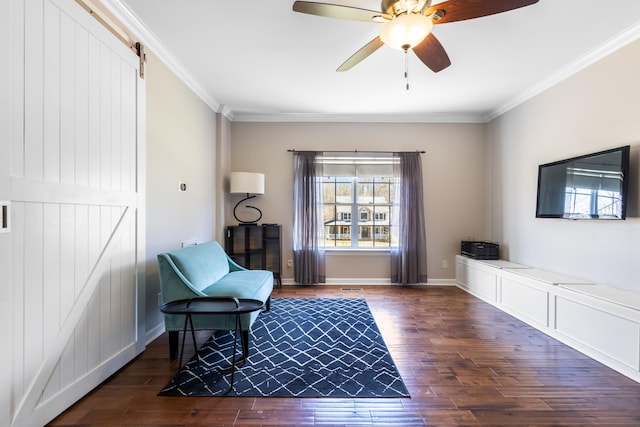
406	31
247	183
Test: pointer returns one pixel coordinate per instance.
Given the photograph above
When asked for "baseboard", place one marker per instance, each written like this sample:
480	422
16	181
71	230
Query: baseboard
368	281
442	282
154	333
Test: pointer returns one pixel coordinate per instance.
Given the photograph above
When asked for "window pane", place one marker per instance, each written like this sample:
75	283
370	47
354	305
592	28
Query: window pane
339	169
358	201
378	168
328	191
343	192
329	214
364	236
329	221
365	192
381	237
382	191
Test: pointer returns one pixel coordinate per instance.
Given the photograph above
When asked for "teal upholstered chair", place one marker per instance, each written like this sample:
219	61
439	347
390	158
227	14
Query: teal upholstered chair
206	270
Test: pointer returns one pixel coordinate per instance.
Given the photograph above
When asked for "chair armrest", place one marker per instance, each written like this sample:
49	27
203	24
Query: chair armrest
234	266
169	274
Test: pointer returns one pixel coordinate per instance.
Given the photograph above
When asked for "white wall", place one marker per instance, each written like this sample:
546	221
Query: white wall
596	109
453	170
181	147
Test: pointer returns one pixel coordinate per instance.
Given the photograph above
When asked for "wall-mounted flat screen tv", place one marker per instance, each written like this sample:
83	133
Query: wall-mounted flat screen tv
593	186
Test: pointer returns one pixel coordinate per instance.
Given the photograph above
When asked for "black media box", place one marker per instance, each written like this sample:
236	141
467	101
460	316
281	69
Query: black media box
480	250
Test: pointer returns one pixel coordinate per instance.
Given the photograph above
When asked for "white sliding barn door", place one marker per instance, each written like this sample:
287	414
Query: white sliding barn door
75	181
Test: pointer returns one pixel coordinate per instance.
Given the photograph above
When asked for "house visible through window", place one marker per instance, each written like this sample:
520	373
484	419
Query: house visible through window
358	195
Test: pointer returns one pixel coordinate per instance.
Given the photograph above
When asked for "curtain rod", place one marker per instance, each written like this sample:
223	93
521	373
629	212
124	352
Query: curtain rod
291	150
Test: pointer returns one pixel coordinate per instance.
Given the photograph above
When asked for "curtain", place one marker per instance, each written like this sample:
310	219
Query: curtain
409	255
308	251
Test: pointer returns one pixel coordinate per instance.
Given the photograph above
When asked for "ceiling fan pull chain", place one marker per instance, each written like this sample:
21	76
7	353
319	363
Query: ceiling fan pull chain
406	67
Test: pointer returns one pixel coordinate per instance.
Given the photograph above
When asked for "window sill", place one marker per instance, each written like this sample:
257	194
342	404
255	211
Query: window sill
357	251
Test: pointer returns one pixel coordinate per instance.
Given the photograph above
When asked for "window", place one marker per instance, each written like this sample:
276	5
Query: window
358	195
380	216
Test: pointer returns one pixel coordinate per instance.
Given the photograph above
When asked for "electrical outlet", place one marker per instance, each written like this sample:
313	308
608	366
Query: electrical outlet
290	263
445	264
187	243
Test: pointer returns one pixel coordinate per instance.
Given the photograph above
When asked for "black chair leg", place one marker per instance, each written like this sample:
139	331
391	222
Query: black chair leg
173	344
245	344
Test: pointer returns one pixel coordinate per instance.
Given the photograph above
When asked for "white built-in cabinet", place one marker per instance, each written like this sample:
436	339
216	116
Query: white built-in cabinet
599	321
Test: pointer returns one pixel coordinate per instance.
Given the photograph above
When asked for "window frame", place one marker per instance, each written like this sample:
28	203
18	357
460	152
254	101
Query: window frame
376	215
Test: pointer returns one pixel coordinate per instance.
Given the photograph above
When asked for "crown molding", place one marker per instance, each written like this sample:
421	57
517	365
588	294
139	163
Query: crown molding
131	21
133	24
122	12
361	118
630	35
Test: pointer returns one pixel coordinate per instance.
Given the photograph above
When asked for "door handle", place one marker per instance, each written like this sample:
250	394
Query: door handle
4	216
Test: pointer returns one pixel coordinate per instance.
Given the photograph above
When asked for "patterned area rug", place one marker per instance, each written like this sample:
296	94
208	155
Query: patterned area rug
303	347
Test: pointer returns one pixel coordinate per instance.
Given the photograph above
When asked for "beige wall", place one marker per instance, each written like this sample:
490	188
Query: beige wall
480	180
181	147
453	169
222	172
596	109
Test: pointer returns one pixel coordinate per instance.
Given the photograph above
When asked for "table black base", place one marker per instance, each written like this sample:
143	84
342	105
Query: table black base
174	343
214	306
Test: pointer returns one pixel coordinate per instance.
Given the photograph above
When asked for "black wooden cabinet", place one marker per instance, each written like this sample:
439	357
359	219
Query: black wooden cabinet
256	247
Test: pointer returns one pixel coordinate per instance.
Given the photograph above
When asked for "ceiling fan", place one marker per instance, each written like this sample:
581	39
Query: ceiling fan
408	24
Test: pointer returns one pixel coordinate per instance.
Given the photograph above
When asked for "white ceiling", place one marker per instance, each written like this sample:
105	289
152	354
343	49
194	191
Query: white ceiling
261	61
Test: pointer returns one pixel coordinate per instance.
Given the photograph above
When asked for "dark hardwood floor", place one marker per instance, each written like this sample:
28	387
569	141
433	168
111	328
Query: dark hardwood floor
464	362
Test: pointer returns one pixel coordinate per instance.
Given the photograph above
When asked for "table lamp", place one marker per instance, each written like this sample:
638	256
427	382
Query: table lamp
248	183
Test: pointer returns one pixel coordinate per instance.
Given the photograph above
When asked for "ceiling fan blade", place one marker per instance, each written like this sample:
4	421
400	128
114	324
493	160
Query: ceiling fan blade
357	57
460	10
431	52
338	11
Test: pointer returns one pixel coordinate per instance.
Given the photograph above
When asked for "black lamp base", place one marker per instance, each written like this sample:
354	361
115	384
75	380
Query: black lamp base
252	222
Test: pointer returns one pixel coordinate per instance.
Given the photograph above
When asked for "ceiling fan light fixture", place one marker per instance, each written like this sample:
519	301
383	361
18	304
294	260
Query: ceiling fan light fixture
379	19
406	31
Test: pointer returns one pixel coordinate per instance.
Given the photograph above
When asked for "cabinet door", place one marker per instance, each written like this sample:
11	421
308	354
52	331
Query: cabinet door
244	245
272	248
234	245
